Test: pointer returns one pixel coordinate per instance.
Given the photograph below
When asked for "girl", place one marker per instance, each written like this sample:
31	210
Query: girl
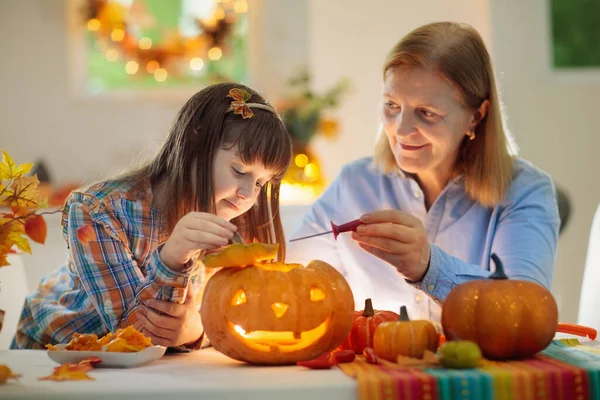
217	173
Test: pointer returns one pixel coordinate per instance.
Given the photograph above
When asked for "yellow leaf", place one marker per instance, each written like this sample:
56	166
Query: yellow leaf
24	192
21	242
3	261
9	170
11	234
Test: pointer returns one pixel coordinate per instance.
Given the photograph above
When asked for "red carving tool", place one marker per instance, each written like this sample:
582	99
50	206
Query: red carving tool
335	229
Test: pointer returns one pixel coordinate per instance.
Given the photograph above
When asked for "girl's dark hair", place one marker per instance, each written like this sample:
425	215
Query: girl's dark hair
202	126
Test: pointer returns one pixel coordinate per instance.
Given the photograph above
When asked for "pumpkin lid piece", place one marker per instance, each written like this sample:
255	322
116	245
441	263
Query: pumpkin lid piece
241	255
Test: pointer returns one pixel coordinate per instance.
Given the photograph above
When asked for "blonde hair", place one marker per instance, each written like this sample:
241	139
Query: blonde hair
458	53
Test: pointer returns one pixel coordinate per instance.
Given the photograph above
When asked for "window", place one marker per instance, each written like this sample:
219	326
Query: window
140	45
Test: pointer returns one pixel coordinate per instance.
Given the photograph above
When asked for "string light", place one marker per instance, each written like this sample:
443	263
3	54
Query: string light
93	24
115	38
111	55
301	160
145	43
117	34
196	64
132	67
215	54
311	171
240	6
152	66
160	75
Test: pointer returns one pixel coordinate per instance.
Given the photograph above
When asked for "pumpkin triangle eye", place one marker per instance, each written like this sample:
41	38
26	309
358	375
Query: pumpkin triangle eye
239	298
316	294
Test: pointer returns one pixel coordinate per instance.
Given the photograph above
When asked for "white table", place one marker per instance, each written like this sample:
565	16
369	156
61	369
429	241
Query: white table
204	374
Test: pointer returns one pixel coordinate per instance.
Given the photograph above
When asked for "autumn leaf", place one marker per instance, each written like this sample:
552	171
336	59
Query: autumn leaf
85	234
70	372
24	193
36	229
11	234
6	374
91	361
17	239
9	170
20	211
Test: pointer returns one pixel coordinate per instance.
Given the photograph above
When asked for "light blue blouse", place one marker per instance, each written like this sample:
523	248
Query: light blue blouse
522	231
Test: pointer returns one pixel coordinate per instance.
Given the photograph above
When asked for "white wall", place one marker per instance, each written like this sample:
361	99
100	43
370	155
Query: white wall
554	119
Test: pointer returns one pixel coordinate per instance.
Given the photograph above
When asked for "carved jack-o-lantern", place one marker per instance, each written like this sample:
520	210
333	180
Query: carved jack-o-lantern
277	313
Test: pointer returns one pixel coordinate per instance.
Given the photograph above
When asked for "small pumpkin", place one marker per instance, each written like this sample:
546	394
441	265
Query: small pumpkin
364	325
404	338
276	313
239	255
506	318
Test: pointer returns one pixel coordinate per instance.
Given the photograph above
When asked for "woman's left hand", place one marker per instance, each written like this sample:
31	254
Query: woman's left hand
179	324
398	238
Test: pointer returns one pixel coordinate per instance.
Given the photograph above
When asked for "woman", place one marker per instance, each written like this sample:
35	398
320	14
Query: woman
442	192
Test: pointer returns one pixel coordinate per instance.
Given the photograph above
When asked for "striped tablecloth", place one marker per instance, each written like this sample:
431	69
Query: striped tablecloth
568	369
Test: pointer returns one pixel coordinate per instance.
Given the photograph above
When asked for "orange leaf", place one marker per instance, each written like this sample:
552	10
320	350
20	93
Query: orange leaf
6	374
20	211
70	372
85	234
90	361
36	229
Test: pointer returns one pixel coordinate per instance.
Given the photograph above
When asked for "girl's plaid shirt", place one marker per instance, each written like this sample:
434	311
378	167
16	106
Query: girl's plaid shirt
104	280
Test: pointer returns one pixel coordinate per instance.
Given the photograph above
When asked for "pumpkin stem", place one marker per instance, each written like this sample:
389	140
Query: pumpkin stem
403	314
499	273
369	312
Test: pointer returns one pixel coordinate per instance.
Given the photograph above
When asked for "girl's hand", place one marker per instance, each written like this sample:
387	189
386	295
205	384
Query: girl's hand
195	232
398	238
179	324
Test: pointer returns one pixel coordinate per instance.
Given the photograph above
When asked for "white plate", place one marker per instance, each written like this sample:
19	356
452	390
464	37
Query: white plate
109	359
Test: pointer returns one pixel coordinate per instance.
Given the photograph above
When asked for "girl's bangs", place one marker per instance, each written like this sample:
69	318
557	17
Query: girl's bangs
263	138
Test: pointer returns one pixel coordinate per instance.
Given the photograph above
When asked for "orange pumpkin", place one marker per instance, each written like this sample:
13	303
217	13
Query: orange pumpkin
276	313
240	255
404	338
364	325
506	318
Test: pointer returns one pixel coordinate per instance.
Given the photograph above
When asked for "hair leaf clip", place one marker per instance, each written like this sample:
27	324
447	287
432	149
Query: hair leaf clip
239	103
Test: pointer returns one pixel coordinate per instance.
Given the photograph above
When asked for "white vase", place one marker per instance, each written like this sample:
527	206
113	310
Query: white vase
13	290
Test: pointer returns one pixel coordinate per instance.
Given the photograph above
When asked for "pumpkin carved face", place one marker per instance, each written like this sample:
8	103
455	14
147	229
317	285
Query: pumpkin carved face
277	313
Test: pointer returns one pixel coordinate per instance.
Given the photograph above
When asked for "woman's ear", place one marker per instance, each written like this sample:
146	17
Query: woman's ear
479	114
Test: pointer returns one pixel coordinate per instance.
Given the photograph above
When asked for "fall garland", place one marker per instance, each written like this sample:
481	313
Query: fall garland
115	26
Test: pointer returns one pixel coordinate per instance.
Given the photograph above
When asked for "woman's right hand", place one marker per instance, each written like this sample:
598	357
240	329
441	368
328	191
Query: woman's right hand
195	232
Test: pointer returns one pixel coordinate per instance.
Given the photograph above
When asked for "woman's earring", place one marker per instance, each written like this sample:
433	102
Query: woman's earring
471	135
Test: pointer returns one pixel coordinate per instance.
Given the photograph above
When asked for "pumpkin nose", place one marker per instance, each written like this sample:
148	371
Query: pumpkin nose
279	309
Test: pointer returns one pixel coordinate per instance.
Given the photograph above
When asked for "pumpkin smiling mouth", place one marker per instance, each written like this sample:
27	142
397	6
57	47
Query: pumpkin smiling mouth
283	341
